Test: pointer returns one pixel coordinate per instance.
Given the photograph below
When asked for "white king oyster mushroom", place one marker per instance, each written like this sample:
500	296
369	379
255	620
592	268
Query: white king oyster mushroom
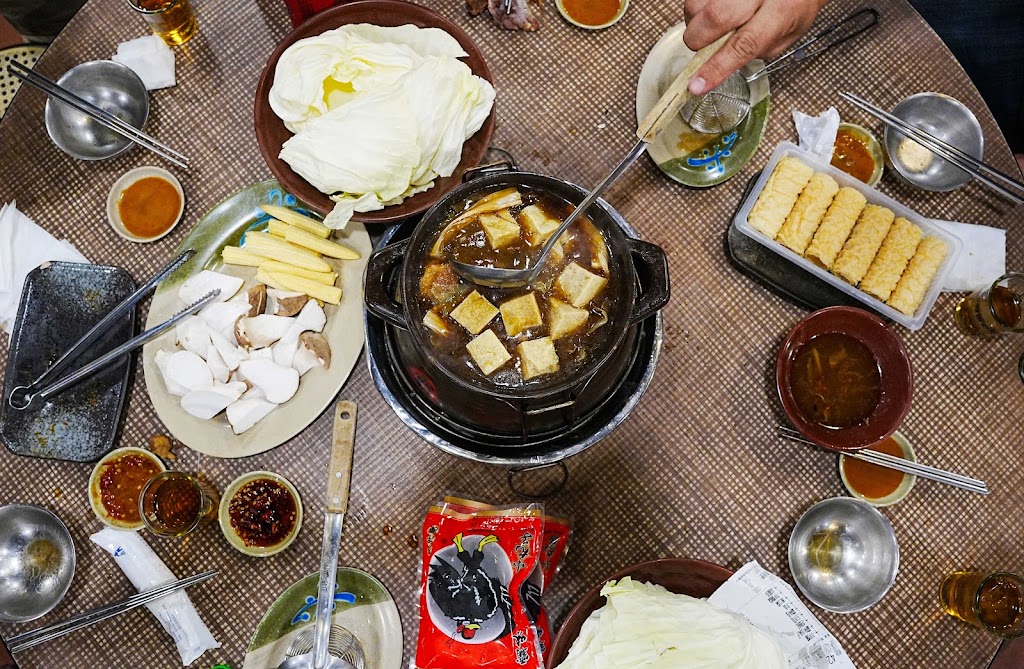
229	352
217	366
222	316
161	359
193	334
312	317
261	331
209	402
277	382
196	287
246	412
185	369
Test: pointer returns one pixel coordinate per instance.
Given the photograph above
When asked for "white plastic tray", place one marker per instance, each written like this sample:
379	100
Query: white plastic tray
953	243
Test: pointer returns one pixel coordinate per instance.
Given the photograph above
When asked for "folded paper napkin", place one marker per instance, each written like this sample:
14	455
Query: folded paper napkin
23	247
817	134
150	58
983	259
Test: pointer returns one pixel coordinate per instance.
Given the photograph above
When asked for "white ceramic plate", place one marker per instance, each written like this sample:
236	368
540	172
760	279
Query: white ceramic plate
224	225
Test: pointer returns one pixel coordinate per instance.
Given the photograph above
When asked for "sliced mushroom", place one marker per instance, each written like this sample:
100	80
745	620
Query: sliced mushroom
278	383
193	334
217	366
221	316
161	358
229	352
209	402
312	317
196	287
257	300
261	331
185	369
316	344
246	412
285	302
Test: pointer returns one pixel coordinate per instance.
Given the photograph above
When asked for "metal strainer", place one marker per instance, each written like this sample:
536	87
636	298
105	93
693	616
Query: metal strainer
723	108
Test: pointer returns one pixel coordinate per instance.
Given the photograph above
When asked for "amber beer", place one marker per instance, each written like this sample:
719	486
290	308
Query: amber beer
993	602
173	504
172	20
995	310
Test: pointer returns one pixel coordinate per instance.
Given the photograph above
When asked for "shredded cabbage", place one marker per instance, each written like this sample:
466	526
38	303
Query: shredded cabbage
645	625
378	113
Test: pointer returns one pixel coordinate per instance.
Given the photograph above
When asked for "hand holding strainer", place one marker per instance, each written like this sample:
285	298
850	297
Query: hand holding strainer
727	105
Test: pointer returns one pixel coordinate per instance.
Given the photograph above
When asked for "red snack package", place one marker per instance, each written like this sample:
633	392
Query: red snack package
474	565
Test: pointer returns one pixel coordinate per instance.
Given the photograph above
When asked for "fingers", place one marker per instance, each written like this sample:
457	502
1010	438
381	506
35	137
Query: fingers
715	18
693	7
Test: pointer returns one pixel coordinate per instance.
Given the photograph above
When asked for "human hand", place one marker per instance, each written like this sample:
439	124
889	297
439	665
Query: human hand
764	28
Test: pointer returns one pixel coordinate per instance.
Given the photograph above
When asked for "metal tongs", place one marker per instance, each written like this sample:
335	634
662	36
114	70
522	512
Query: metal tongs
44	387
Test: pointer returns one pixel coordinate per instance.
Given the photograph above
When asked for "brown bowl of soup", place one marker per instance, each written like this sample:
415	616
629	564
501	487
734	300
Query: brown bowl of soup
844	378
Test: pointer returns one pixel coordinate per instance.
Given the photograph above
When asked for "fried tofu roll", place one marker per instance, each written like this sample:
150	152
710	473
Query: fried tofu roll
887	268
860	249
810	208
920	271
835	227
778	196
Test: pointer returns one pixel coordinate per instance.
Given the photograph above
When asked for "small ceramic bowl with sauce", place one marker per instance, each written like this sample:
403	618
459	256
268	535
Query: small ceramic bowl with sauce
260	513
592	14
145	204
844	378
858	153
879	486
116	484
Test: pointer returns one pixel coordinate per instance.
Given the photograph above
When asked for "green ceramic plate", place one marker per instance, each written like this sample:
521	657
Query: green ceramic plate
362	605
223	225
688	157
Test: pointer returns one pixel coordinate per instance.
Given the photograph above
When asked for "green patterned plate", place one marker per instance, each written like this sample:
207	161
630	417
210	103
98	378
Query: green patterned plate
689	157
223	225
362	605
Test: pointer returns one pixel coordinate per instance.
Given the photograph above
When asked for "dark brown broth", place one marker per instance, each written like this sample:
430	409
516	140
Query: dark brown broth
835	380
442	289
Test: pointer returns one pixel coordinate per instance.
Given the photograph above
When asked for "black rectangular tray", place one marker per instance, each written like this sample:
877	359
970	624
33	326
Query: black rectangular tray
60	301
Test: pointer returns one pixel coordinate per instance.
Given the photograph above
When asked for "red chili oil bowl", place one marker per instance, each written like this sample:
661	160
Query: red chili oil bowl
260	513
116	484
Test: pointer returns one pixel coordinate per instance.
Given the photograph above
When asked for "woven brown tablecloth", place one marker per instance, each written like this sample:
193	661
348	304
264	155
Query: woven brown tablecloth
696	471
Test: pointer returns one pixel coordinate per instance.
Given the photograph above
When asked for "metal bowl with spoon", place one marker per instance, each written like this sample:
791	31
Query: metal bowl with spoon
339	478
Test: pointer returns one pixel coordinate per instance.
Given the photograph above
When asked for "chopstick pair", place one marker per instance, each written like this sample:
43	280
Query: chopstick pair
27	640
899	464
102	117
968	163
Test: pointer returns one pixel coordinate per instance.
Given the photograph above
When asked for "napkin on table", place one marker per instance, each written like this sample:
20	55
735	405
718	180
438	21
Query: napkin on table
23	247
817	134
150	58
983	259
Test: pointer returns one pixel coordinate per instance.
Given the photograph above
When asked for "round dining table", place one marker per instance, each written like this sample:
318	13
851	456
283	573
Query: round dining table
697	470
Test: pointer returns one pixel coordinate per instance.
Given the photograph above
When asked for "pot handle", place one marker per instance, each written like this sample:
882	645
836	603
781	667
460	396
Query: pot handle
379	269
651	265
487	169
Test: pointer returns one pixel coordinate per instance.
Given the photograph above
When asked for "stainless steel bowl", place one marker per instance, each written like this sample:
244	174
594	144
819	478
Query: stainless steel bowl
110	86
945	118
843	555
37	562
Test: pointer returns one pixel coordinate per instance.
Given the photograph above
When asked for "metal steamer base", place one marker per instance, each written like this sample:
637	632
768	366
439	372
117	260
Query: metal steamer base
447	433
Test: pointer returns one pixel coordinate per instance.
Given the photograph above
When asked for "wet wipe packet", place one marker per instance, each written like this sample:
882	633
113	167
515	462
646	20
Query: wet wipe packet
476	559
554	545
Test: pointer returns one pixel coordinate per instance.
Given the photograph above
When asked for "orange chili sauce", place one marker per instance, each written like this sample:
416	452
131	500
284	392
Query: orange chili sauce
870	480
852	156
149	207
121	485
592	12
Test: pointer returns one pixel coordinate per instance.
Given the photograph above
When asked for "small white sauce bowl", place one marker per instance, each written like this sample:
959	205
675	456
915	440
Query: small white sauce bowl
901	491
126	180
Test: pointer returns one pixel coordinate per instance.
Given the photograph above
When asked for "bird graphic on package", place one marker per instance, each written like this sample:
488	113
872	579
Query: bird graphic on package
469	596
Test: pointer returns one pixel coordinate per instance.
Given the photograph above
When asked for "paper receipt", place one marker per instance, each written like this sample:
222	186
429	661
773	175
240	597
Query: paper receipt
772	606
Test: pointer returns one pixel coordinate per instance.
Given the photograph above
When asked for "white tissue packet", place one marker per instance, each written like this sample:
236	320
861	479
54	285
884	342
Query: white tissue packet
982	260
817	134
145	570
150	58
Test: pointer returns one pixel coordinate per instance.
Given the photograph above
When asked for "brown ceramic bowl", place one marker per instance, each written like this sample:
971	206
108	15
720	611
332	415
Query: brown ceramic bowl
893	363
271	132
682	576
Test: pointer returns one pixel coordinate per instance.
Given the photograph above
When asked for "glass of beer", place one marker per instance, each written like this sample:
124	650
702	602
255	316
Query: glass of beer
172	20
992	602
174	504
994	310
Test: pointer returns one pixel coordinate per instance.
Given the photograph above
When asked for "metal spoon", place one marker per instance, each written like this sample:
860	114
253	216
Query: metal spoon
656	120
339	478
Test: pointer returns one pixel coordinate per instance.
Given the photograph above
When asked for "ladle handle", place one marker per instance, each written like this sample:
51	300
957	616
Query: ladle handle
665	109
339	476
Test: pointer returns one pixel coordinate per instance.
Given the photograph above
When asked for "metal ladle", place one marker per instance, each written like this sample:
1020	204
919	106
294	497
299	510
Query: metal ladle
725	107
339	478
653	124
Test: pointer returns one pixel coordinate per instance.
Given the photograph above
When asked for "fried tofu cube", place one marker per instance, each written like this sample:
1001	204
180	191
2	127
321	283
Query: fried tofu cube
564	319
538	357
507	215
538	224
488	352
579	285
436	322
474	313
500	231
520	313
